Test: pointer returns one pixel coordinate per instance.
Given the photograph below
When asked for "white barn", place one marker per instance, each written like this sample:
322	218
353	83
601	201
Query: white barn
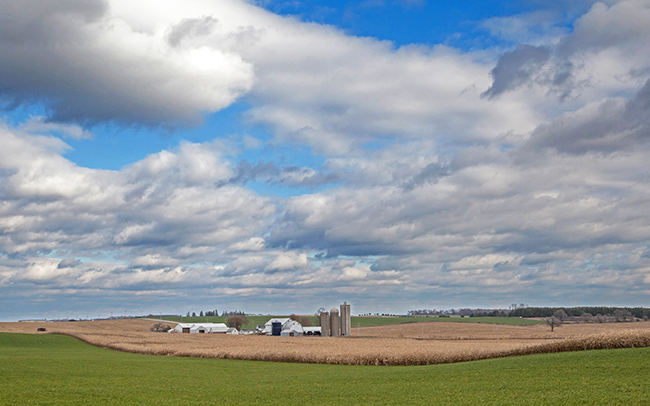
200	328
290	328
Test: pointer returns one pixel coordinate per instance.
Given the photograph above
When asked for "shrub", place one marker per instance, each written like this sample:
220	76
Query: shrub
160	328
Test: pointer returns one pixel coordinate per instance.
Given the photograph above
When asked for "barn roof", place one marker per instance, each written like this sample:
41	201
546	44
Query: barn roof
282	321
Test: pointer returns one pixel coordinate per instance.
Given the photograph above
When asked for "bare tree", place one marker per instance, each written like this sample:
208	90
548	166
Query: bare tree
587	317
317	314
237	322
622	315
600	318
553	322
305	321
561	314
160	328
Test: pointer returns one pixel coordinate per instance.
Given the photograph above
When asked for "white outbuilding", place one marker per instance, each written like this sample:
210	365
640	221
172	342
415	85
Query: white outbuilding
200	328
312	331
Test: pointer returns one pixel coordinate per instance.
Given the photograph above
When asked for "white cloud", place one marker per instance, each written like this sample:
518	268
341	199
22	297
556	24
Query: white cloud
287	261
91	66
434	190
40	125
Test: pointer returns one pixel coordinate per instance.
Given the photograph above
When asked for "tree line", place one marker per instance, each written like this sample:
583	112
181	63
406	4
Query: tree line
618	312
215	313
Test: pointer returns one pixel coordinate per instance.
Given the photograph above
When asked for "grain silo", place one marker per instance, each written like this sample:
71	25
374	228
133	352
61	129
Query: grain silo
276	328
346	321
334	323
324	324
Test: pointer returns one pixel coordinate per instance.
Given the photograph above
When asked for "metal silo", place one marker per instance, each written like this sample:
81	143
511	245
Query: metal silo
346	321
334	323
325	324
276	328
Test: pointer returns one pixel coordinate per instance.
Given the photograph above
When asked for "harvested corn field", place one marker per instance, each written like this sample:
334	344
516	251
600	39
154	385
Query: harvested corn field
406	344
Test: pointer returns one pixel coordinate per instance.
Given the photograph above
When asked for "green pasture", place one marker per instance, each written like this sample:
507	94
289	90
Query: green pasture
59	370
364	321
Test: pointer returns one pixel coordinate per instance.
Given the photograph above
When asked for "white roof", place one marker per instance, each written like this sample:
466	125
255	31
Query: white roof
216	327
294	326
209	327
287	333
268	326
312	328
282	321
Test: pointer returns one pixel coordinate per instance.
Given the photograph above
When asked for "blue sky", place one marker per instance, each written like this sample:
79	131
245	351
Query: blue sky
280	156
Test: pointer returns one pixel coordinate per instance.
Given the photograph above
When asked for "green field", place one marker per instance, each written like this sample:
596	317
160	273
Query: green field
51	369
364	321
384	320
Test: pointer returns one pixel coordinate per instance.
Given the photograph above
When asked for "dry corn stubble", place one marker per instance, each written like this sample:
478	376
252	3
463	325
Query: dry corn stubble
423	343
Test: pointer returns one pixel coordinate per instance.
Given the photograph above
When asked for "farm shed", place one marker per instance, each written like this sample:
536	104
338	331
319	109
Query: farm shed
293	331
216	327
182	328
200	328
312	331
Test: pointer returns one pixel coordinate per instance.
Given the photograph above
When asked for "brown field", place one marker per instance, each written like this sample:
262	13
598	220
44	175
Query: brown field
401	344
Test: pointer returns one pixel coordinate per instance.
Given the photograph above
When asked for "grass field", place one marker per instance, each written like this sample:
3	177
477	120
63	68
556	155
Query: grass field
365	321
52	369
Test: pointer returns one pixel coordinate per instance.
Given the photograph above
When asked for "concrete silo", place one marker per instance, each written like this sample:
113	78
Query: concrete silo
334	323
346	320
324	324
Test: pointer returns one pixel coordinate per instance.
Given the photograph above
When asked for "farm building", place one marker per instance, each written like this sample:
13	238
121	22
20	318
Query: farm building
312	331
200	328
286	326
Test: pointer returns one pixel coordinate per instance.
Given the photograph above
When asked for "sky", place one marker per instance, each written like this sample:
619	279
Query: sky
275	157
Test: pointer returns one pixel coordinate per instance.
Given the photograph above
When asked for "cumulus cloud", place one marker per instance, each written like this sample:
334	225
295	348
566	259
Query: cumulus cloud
68	263
606	127
41	125
89	66
269	172
516	67
168	201
537	186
